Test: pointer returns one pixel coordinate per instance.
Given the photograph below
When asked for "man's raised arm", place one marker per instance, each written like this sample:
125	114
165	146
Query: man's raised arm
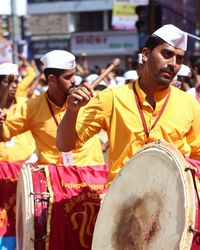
2	119
66	132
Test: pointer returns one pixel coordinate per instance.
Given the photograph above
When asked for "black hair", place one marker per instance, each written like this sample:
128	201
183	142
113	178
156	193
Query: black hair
2	77
153	41
197	65
55	72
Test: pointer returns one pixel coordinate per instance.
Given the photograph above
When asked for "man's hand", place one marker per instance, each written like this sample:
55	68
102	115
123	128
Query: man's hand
80	96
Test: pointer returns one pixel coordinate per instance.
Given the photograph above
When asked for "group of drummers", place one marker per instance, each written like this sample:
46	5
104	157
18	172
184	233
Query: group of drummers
61	125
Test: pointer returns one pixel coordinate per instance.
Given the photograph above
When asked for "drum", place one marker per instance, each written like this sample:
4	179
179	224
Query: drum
56	207
31	207
150	204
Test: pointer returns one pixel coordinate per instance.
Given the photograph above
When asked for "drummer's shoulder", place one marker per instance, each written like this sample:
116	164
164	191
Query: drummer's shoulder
36	100
118	89
184	97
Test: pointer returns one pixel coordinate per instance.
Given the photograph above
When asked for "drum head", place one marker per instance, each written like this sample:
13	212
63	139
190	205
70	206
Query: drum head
149	205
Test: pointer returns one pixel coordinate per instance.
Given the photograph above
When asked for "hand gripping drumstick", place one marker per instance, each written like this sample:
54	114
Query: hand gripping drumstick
116	62
5	96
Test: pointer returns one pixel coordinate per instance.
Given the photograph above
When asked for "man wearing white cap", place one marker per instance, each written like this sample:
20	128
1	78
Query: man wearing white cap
130	76
42	114
21	147
139	113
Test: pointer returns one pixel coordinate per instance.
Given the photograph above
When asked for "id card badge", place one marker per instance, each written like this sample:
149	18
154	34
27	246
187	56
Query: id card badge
67	158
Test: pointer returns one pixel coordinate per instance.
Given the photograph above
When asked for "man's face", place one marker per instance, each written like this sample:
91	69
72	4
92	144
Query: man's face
13	86
66	81
163	63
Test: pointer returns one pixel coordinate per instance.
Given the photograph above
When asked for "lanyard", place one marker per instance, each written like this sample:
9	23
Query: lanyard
52	113
146	131
60	158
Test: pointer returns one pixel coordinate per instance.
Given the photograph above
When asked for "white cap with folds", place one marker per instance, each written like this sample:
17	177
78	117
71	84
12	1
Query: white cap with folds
78	80
184	71
173	36
9	69
92	77
131	75
59	59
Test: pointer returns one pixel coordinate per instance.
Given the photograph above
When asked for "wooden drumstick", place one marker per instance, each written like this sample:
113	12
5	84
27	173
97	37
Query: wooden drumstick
116	62
5	96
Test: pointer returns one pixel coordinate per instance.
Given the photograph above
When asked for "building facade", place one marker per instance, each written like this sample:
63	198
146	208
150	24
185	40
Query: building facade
79	26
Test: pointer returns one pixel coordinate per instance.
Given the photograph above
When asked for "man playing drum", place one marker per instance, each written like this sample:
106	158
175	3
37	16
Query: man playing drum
41	115
139	112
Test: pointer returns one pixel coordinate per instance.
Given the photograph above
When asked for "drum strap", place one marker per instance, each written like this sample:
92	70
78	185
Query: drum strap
64	157
139	106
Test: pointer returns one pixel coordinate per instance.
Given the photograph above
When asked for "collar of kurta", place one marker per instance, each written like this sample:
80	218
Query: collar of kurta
157	97
54	106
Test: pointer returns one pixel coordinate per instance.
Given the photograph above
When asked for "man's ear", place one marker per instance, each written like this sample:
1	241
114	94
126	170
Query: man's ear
52	78
145	53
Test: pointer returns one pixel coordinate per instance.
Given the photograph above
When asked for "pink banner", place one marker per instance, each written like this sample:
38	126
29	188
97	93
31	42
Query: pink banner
8	182
77	194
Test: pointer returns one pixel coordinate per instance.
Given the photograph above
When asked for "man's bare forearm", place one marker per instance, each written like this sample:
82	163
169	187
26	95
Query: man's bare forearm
1	134
2	120
66	132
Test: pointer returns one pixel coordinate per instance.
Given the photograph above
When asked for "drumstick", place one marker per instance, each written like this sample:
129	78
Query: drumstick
5	96
116	62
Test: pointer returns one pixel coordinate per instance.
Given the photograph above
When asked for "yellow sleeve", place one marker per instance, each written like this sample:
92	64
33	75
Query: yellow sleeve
94	116
23	86
193	136
16	121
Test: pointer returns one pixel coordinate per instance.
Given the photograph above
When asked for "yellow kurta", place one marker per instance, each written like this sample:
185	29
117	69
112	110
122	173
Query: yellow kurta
35	115
115	110
20	147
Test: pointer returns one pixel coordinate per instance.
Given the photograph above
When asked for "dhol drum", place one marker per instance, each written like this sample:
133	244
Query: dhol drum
56	207
150	204
31	207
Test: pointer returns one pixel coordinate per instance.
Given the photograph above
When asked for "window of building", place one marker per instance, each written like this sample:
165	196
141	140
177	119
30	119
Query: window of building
89	21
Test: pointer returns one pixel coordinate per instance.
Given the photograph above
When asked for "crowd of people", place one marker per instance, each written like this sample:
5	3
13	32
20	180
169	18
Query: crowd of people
52	114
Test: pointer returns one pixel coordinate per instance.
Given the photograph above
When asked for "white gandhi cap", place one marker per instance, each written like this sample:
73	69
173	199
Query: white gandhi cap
9	69
59	59
131	75
92	77
184	71
173	36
